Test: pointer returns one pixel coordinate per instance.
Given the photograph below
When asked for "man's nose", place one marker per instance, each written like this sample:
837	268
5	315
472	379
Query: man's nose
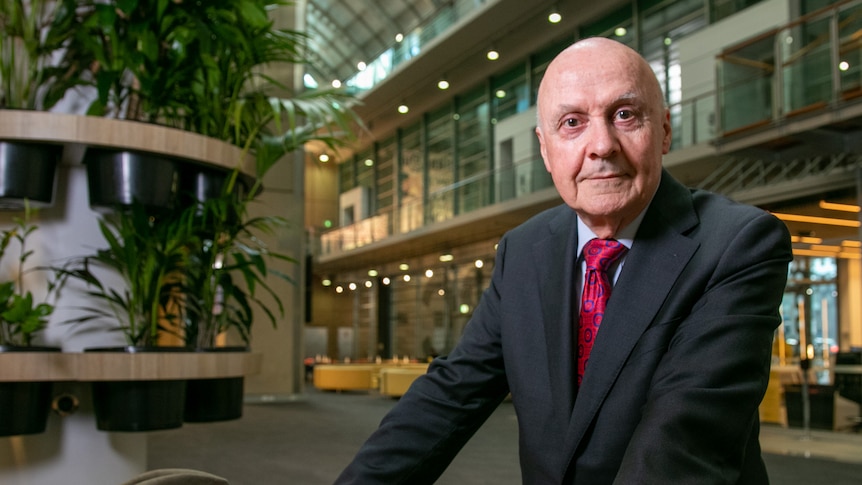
603	140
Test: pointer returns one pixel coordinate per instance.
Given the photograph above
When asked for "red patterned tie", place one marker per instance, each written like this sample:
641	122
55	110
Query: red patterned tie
599	255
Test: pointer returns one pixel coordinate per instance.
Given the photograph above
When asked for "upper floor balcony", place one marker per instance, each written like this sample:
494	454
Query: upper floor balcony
788	95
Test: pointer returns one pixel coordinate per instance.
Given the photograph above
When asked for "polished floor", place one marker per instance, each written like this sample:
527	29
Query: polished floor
308	441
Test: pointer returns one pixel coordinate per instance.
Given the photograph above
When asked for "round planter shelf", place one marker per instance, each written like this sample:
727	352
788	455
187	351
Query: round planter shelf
67	129
103	366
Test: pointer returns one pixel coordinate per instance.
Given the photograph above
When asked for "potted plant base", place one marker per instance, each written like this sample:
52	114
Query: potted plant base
215	399
139	405
117	178
24	406
219	399
27	172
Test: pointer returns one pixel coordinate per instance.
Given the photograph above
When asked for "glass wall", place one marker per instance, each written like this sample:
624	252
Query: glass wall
431	307
411	180
808	65
440	165
510	93
818	314
443	167
474	150
386	162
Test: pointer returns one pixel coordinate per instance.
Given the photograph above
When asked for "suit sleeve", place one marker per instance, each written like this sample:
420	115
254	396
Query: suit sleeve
421	435
700	421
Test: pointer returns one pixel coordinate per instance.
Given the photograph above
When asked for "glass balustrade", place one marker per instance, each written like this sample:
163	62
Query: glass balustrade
811	64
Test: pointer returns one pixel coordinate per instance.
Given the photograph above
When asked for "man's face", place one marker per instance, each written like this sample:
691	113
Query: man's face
603	130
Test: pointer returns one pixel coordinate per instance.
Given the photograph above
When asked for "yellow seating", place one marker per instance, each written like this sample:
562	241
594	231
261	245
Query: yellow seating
394	381
345	377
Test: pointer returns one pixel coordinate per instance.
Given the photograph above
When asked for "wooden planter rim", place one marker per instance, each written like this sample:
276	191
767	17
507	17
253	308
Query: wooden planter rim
66	129
119	366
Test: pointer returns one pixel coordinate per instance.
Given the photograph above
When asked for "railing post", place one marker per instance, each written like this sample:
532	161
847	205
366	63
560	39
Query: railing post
719	119
835	55
777	78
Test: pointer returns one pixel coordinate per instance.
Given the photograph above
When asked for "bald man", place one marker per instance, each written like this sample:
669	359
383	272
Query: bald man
680	355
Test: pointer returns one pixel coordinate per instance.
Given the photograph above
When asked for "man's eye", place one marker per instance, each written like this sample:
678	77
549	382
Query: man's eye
625	114
570	122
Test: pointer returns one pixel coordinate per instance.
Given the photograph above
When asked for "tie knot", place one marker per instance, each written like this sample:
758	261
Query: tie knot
600	254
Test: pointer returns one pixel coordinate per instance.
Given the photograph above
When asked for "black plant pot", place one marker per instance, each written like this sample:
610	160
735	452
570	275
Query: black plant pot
117	178
209	400
24	406
138	405
218	399
27	172
199	183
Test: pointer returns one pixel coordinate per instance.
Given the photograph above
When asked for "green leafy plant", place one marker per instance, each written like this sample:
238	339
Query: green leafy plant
20	317
31	33
229	264
202	67
149	253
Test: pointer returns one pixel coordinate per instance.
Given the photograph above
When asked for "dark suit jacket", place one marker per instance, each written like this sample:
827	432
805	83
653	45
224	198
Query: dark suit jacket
676	373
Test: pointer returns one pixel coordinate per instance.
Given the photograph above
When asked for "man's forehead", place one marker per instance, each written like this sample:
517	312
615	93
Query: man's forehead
612	93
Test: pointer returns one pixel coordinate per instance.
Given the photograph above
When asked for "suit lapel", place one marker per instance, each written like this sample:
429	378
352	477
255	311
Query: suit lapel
556	294
660	251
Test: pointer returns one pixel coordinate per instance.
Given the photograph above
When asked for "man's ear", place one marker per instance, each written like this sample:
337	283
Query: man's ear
542	149
668	135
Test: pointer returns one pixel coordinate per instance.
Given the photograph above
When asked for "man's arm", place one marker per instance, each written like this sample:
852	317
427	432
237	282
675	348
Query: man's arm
699	423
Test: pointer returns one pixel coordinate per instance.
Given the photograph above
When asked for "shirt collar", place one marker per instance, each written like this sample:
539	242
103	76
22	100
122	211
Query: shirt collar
626	235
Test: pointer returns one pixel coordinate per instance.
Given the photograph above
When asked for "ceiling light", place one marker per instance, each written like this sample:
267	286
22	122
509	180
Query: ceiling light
826	254
620	31
429	273
406	277
336	83
369	162
361	65
372	273
399	37
369	284
829	221
443	84
554	17
806	239
323	157
838	207
403	109
403	266
386	280
327	282
479	263
445	258
352	286
492	55
825	247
